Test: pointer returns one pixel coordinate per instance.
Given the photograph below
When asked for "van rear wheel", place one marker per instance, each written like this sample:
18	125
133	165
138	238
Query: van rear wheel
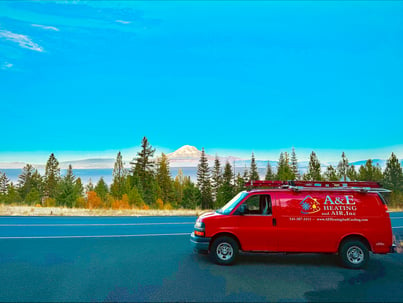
353	254
224	250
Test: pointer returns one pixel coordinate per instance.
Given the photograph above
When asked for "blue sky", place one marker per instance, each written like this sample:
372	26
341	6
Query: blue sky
89	78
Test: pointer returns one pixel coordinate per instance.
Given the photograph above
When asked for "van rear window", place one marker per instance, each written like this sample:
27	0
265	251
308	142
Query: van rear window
385	197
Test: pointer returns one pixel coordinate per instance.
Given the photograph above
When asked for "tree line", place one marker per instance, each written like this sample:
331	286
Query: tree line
221	185
148	182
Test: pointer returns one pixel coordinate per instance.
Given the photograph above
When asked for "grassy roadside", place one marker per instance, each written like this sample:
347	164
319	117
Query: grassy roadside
25	210
395	209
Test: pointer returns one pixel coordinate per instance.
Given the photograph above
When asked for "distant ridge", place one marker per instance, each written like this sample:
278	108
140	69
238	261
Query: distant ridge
185	156
89	163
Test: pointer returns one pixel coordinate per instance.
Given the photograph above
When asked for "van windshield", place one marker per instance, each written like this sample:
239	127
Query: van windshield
227	208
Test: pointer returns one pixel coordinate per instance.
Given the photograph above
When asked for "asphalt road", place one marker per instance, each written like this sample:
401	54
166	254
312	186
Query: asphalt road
139	259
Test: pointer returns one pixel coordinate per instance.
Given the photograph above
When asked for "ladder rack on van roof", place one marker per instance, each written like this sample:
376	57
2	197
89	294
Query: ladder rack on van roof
368	185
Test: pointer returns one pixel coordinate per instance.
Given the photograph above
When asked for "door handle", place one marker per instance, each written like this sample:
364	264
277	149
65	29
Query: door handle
274	222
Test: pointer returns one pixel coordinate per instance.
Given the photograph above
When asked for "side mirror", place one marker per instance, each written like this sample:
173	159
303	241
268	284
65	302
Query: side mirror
242	209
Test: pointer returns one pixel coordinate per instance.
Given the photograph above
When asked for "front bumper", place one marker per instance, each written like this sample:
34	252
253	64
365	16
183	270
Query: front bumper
200	244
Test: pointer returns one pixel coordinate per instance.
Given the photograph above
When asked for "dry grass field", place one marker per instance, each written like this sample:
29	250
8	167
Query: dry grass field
18	210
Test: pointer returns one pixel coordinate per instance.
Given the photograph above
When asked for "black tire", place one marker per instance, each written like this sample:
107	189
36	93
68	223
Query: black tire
224	250
353	254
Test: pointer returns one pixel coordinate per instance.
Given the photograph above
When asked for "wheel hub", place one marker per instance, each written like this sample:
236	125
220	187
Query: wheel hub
355	255
224	251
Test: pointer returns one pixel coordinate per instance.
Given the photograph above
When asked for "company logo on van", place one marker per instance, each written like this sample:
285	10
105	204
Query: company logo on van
331	206
309	205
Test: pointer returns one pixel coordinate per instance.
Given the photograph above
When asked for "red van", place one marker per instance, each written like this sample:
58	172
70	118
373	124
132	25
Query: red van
348	218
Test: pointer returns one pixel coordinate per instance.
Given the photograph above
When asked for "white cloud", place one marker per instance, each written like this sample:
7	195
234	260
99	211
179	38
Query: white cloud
123	21
6	65
52	28
23	40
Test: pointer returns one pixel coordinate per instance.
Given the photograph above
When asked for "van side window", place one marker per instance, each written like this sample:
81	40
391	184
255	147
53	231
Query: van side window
258	205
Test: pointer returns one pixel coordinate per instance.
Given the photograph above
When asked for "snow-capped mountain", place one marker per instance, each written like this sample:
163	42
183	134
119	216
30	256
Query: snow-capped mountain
185	152
189	156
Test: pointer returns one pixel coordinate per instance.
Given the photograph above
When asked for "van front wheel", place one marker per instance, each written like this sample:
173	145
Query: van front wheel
354	254
224	250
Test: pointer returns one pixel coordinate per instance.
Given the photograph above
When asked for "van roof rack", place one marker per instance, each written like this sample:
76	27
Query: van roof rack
316	184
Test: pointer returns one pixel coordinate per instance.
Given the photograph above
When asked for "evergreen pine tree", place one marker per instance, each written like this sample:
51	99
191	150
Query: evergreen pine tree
143	172
119	174
226	190
280	165
294	164
33	197
284	170
30	185
269	172
12	194
25	181
135	198
143	166
342	167
203	181
254	175
89	186
179	183
69	174
245	175
378	176
67	194
362	173
313	173
352	173
393	175
368	172
331	174
164	180
37	182
191	195
52	177
4	182
102	189
78	187
216	178
239	183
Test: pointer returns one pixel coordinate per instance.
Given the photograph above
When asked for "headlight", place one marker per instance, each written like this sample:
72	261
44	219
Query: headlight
199	228
199	224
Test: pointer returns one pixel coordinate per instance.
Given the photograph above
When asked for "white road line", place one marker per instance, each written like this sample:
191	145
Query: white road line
396	218
98	236
102	224
398	227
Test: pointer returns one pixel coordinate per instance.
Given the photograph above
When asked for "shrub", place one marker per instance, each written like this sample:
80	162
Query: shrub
160	203
81	202
121	204
168	206
50	202
93	201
